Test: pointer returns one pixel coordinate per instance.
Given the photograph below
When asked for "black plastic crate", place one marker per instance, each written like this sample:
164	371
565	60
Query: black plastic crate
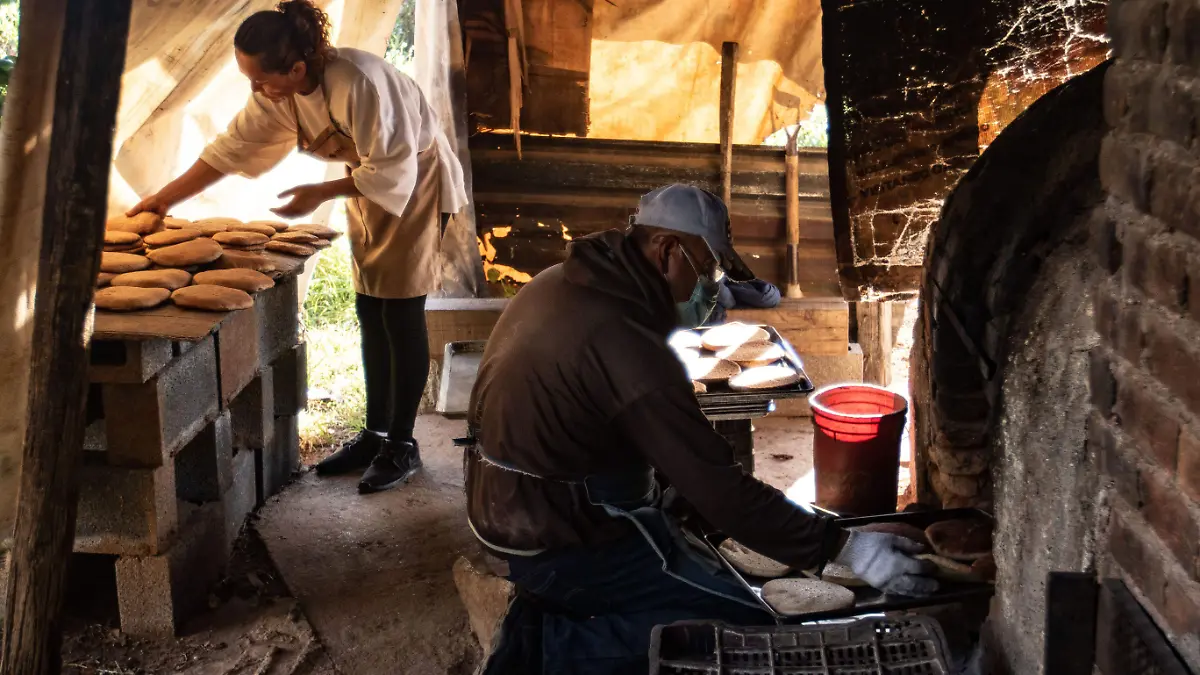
903	646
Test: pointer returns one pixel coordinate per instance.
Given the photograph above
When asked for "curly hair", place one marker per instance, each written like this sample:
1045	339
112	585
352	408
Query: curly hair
296	30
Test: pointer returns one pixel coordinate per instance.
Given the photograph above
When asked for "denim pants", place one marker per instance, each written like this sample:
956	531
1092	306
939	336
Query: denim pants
590	612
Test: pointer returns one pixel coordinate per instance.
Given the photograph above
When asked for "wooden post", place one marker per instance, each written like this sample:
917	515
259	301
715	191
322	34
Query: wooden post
792	190
514	26
729	56
875	338
81	142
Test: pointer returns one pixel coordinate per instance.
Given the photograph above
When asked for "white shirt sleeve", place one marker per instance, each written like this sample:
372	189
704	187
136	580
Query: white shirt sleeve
385	136
258	138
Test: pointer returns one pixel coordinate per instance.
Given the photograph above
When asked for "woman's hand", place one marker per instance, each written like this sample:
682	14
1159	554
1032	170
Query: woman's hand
154	204
305	200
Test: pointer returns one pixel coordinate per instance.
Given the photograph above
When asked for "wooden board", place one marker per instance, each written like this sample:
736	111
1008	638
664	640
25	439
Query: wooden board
455	320
812	326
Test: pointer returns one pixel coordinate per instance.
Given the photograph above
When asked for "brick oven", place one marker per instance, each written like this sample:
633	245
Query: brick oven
1056	367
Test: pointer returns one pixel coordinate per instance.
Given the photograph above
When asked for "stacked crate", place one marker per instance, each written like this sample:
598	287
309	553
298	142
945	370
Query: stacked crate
185	439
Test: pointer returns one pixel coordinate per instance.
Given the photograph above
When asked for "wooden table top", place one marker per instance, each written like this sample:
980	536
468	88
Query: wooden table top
176	323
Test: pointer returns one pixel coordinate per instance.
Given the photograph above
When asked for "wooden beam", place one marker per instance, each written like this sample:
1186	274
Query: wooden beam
875	338
792	187
729	56
92	57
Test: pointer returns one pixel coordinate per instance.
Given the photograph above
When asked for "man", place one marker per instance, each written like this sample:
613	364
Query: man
579	402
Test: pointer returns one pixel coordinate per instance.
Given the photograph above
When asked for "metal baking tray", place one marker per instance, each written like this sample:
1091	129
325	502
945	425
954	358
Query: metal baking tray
460	367
719	395
869	600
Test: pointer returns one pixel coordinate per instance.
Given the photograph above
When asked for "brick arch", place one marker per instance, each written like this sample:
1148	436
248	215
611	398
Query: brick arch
1030	193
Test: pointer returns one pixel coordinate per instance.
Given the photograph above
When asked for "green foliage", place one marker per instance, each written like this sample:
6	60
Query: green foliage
401	45
330	297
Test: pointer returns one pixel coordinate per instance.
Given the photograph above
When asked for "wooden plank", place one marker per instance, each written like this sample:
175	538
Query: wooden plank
94	34
816	327
459	320
875	337
729	57
167	321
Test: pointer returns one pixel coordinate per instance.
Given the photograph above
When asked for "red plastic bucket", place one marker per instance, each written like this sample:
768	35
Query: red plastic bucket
856	447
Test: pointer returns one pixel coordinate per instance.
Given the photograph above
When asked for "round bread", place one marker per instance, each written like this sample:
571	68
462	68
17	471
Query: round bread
288	248
764	377
171	237
966	539
120	263
275	225
296	237
169	279
235	259
753	353
899	529
128	298
239	239
212	298
731	335
256	226
711	369
837	573
125	248
172	223
950	570
686	354
246	280
119	238
321	243
194	252
143	223
792	597
750	562
685	339
211	226
314	229
103	278
699	388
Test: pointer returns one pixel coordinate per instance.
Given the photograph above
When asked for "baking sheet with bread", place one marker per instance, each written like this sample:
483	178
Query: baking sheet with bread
736	356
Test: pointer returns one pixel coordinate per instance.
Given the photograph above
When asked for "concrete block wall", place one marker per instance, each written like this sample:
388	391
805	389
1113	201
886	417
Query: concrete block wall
1145	375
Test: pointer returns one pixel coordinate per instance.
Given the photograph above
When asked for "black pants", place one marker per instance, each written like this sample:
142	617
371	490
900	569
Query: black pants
395	348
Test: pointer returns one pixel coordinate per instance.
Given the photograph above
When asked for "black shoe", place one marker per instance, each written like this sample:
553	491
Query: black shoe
395	464
354	455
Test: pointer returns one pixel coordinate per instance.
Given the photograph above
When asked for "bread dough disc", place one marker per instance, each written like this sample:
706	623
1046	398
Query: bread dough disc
120	238
194	252
791	597
125	248
128	299
837	573
238	238
211	226
686	354
256	248
967	539
256	226
899	529
288	248
732	334
711	369
143	223
103	278
950	570
169	279
754	353
234	259
321	243
750	562
119	263
170	237
296	237
246	280
685	339
275	225
764	377
172	223
314	229
699	388
212	298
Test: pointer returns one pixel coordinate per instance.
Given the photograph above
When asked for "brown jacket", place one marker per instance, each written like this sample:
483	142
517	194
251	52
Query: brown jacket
577	379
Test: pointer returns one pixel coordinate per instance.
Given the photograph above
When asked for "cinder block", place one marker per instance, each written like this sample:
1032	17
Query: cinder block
281	460
204	467
239	500
290	373
278	320
237	353
824	370
125	511
127	361
145	423
253	413
155	593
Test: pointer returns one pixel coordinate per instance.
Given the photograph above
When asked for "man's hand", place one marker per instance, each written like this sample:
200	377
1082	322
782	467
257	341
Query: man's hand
885	561
305	200
154	204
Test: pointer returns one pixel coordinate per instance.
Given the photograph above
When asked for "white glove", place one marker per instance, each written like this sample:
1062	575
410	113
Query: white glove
885	561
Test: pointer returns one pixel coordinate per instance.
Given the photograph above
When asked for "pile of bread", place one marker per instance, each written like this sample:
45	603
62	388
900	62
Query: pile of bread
214	264
961	552
738	354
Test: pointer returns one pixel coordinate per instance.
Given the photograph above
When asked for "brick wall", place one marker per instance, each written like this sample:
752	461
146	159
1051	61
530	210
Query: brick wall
1145	375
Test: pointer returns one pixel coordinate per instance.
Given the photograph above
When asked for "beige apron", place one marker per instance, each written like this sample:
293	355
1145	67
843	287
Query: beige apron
391	256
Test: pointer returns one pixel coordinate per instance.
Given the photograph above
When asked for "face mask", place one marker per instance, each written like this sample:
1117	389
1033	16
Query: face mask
696	310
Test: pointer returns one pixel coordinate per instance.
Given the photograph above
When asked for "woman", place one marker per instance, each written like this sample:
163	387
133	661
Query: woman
345	105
